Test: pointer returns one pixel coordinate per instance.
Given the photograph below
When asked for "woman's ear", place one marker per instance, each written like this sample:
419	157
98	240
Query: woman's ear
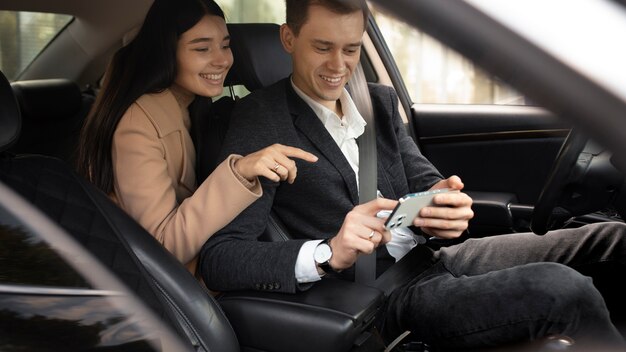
287	37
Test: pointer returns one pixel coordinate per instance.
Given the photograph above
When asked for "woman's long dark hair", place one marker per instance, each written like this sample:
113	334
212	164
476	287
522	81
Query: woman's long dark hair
145	65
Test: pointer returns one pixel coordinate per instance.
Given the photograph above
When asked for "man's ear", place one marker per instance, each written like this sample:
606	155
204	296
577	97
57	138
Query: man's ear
287	37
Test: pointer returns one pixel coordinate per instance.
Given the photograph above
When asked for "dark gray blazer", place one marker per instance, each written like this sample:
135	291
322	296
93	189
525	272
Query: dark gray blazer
314	206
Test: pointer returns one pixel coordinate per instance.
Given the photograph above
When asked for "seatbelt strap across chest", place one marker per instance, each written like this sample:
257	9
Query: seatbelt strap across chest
365	267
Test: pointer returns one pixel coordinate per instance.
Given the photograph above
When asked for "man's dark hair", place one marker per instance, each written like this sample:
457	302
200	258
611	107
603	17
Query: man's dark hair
298	10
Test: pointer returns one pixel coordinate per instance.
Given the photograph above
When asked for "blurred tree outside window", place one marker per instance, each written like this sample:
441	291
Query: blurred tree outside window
22	37
241	11
435	74
432	72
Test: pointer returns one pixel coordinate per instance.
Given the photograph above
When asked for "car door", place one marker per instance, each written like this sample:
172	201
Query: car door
502	153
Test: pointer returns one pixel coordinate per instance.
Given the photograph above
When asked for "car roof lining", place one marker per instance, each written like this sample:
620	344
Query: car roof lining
89	36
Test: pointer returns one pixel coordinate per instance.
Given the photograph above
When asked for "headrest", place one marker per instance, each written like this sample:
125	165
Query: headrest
47	99
260	59
10	122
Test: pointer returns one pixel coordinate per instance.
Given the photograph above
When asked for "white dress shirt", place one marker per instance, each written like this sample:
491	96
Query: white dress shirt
345	130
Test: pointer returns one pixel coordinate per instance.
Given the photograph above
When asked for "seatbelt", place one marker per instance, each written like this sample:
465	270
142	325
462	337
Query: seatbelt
365	266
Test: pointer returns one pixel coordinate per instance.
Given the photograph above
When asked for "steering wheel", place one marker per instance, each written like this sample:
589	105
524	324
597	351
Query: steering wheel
542	218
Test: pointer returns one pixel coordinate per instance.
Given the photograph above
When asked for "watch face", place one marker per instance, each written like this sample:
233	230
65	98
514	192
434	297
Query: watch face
322	253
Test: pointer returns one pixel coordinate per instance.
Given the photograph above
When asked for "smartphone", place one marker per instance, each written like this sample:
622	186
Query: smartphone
409	206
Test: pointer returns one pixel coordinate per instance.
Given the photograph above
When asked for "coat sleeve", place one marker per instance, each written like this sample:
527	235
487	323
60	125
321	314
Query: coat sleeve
145	190
420	173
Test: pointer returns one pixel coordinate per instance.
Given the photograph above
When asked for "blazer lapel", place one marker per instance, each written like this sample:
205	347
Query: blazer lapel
311	126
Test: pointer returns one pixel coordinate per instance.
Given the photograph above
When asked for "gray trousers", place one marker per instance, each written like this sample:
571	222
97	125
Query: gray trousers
507	289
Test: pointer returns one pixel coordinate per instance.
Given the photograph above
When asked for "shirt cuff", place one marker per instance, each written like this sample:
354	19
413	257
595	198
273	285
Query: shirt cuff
402	239
306	269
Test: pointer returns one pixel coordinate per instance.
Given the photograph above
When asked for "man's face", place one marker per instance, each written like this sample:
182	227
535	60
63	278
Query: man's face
324	53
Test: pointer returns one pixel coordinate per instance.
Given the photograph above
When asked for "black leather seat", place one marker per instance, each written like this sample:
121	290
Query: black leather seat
260	59
53	111
113	237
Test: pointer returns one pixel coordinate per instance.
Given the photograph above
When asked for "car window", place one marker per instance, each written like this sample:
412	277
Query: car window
22	37
245	11
435	74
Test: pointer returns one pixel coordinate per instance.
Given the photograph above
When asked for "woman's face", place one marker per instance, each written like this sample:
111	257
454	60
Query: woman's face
203	57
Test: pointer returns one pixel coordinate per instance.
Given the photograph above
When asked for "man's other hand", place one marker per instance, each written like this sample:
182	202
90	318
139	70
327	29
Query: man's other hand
450	213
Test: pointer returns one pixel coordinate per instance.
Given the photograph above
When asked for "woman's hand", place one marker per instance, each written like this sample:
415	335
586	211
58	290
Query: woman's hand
273	162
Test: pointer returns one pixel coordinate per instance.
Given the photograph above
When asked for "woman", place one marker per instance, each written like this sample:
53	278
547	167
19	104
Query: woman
136	145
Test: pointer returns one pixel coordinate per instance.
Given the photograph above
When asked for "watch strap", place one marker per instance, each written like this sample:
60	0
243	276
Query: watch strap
325	266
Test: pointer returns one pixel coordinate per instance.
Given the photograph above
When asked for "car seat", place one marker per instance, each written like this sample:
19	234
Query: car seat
53	111
113	237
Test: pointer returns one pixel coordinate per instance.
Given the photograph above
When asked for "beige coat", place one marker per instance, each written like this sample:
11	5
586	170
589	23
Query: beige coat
154	171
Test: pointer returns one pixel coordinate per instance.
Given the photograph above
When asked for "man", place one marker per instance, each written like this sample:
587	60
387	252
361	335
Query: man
480	293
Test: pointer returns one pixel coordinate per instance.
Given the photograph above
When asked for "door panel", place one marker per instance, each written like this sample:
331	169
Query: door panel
502	153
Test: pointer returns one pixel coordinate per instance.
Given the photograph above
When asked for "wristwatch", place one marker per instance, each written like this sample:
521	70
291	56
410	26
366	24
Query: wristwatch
322	256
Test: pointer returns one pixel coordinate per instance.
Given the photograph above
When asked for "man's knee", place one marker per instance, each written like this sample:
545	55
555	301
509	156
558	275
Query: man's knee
565	291
615	230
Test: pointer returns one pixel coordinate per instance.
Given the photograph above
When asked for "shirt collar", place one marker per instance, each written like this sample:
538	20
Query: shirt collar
330	120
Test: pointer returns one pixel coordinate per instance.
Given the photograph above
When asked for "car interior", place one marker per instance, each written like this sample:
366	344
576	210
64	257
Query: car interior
333	315
38	137
339	313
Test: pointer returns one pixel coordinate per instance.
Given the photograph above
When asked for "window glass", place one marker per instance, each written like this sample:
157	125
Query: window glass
435	74
22	37
242	11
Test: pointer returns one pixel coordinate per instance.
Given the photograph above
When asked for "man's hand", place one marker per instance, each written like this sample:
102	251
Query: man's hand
361	232
449	215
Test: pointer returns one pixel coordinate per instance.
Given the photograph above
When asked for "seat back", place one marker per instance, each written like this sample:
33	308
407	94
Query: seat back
113	237
53	111
260	59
